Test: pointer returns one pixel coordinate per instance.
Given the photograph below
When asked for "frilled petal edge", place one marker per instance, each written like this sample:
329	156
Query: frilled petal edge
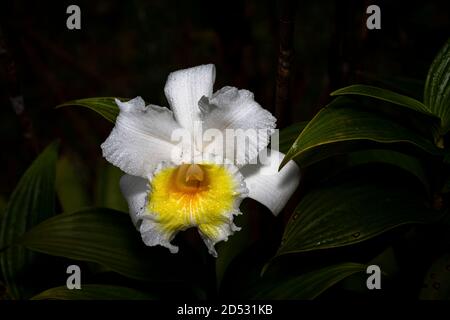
236	125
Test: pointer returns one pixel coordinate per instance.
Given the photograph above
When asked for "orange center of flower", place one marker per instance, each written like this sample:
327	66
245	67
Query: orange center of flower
190	178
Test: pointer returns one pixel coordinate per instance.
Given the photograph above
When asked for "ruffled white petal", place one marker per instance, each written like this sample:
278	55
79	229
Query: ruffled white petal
223	231
268	186
134	190
152	235
244	126
141	138
183	90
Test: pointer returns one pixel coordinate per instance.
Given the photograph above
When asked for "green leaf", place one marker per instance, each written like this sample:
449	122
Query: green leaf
437	87
388	264
93	292
346	213
289	134
107	188
411	87
398	159
103	236
437	281
385	95
105	106
71	190
32	201
309	285
341	122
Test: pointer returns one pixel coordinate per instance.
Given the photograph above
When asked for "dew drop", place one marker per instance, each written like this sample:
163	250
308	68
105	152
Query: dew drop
295	216
436	285
356	234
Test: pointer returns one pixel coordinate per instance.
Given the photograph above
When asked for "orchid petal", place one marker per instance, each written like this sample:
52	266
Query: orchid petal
233	111
134	190
268	186
141	138
222	232
183	90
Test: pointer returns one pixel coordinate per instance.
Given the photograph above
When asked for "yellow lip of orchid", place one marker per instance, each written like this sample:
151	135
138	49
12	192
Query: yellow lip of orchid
169	190
204	195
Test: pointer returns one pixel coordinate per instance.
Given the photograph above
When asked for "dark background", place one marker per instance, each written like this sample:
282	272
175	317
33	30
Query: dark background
127	48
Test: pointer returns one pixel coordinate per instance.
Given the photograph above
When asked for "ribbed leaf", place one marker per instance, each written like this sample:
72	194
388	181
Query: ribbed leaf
93	292
72	193
437	87
105	106
104	236
288	135
347	213
107	188
309	285
341	121
32	201
398	159
385	95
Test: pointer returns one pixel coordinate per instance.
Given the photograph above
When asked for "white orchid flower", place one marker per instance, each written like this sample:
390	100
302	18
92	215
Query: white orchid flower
171	186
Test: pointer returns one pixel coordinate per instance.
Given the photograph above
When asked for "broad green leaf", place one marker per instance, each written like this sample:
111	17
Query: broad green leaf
32	201
398	159
342	214
411	87
341	121
107	188
288	135
388	264
71	190
437	87
437	281
105	106
93	292
385	95
103	236
309	285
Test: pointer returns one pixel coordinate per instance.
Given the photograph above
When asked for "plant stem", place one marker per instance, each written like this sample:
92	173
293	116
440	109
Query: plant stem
285	55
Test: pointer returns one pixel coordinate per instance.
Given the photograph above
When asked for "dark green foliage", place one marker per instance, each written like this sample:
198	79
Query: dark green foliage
32	201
